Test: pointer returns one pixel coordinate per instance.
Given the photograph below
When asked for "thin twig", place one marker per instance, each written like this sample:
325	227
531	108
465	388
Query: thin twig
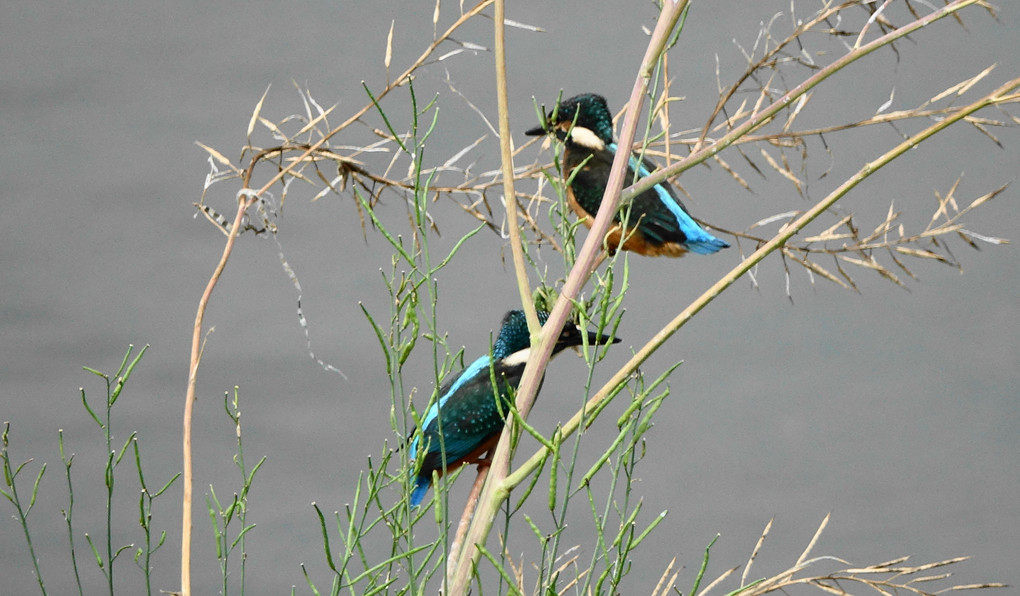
653	344
763	117
245	200
494	492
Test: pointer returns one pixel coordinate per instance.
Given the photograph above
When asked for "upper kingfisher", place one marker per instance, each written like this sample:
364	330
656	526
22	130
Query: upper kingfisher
470	412
659	222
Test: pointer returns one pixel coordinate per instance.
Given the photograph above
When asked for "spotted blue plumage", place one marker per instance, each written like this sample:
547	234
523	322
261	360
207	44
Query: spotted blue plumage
468	417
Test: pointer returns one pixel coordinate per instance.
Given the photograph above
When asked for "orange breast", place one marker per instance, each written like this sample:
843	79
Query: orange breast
635	240
475	456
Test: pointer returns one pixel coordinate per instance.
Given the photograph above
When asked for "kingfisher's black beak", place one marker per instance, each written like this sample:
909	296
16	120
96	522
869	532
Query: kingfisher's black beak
572	337
602	340
536	132
593	339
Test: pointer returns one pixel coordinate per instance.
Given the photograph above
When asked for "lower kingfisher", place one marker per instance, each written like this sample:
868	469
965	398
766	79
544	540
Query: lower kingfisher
659	223
470	412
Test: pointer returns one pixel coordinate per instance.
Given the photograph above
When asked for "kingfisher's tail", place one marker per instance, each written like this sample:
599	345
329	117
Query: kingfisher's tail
421	487
705	245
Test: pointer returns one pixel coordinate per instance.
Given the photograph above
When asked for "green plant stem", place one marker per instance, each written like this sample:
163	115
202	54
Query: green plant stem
246	199
516	246
111	455
67	461
507	163
10	480
495	491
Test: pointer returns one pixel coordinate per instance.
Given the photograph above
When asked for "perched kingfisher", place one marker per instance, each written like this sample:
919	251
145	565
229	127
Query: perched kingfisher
659	224
470	412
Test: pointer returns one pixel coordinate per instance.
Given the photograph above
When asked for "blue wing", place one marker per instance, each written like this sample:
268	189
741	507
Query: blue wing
664	217
470	416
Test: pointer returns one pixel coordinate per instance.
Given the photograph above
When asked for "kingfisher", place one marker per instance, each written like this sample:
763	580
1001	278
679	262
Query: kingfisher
659	224
470	412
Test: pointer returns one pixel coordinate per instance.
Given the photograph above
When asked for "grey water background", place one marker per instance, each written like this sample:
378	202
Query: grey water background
894	410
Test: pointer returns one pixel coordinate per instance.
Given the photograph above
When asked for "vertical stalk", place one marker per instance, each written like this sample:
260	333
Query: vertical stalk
247	198
495	492
507	164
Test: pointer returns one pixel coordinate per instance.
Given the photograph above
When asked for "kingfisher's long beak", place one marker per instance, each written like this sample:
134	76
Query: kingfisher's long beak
593	338
536	132
602	339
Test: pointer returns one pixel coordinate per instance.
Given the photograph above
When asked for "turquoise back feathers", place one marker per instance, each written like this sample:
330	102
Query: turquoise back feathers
466	420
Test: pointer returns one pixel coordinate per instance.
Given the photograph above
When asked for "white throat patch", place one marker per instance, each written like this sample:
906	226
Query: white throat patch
586	138
518	357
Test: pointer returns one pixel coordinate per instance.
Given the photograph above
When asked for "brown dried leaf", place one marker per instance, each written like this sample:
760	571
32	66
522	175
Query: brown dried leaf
754	553
731	172
814	540
258	110
961	87
664	584
311	124
389	45
871	263
751	163
940	230
782	171
985	198
943	203
718	580
218	156
819	270
272	127
796	110
788	215
830	233
902	266
883	228
866	263
836	590
984	131
922	254
932	578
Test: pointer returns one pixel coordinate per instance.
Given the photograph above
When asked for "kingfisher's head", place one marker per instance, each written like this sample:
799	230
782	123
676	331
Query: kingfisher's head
583	120
514	337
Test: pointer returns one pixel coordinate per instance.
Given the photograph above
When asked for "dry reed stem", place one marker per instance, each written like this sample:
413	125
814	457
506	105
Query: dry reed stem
901	578
245	201
859	251
495	491
777	242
